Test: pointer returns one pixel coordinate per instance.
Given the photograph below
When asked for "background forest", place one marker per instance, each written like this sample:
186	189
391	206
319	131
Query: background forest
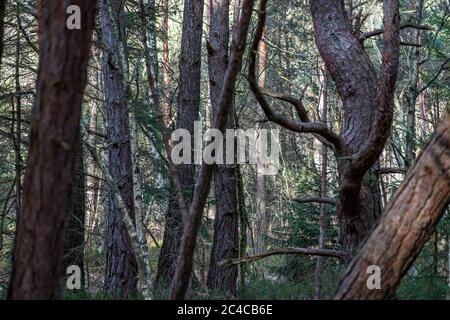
158	65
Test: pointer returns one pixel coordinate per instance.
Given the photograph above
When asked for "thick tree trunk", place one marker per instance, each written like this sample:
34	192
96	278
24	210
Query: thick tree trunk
55	128
75	229
359	205
188	113
121	267
225	243
407	223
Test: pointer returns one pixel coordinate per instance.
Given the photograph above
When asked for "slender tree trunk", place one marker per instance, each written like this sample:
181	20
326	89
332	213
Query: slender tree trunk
243	223
2	26
261	221
121	274
411	94
74	245
448	266
407	223
225	242
166	63
323	189
18	117
54	132
188	113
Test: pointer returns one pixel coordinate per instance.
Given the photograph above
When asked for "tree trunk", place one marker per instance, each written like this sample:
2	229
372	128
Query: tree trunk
188	113
18	117
359	205
323	189
54	132
448	266
411	94
74	245
407	223
225	243
121	273
2	26
243	222
166	63
183	272
261	220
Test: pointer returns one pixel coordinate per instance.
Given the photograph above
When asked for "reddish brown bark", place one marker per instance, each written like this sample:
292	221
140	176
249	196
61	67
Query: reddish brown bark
225	241
368	111
367	104
55	128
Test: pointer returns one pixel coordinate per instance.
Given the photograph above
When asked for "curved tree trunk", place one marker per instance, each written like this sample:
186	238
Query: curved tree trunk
407	223
359	205
54	135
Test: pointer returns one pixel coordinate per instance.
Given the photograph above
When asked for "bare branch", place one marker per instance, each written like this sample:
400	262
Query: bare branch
436	75
392	170
302	126
327	200
377	32
301	251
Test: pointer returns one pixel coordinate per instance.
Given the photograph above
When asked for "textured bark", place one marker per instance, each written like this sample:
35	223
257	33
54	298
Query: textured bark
187	113
74	244
121	273
407	223
183	272
55	128
359	205
412	92
225	242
